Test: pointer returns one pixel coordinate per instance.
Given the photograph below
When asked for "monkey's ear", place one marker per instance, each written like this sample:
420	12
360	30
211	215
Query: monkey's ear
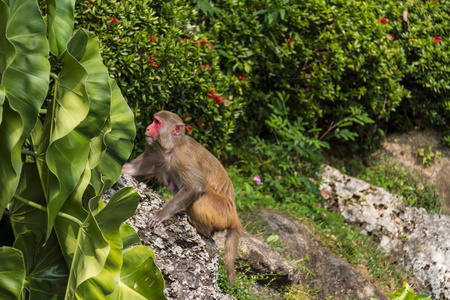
178	129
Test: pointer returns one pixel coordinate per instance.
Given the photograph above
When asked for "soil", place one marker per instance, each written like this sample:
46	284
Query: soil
403	149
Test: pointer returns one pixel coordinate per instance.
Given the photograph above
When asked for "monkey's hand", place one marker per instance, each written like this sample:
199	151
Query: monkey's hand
156	219
128	169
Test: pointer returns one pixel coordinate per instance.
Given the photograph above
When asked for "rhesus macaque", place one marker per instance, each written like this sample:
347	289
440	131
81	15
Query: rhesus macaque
200	183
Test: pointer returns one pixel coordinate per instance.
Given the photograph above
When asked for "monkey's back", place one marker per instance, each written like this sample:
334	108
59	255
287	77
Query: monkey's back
213	171
215	210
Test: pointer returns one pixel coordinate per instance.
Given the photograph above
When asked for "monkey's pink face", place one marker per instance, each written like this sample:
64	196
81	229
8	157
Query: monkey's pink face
152	132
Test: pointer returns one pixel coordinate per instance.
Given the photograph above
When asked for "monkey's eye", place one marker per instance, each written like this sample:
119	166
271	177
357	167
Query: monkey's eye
156	121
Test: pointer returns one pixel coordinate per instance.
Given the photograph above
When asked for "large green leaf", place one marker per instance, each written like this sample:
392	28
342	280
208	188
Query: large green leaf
115	144
140	278
47	273
10	158
83	97
2	99
12	273
121	206
60	24
66	228
24	71
98	256
25	217
119	139
90	255
84	47
129	236
7	49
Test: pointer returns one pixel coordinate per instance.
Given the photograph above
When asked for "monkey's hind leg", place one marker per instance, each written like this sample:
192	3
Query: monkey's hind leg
208	215
211	213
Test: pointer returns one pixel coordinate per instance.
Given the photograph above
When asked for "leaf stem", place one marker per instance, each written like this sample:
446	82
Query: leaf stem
53	107
31	153
42	208
43	111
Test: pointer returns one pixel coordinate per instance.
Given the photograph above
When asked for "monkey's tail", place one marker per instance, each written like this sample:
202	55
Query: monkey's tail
231	249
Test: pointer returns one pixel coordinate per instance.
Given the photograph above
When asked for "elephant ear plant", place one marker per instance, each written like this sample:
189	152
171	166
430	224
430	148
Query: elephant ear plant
65	133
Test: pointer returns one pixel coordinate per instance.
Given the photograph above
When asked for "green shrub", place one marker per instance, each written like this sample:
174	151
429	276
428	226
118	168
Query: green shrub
329	57
282	173
244	288
423	34
407	293
162	59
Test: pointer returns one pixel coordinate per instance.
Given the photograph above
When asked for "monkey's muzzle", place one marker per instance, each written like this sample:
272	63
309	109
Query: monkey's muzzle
150	138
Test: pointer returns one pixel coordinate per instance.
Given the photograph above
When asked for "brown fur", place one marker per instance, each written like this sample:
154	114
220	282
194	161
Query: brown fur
201	184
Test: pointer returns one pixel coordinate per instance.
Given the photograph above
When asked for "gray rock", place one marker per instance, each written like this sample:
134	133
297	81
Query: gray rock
421	236
332	276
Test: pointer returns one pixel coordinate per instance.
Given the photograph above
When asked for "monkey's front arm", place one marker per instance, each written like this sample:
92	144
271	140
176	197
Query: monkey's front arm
144	165
179	202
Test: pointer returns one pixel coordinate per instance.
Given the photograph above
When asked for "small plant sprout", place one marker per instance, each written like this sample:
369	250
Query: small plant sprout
428	155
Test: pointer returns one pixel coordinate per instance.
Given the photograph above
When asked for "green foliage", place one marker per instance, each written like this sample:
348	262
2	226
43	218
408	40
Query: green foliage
329	57
243	287
59	155
280	172
424	38
333	60
13	268
336	61
162	59
299	292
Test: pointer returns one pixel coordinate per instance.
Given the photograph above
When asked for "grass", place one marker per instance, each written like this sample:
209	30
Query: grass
244	287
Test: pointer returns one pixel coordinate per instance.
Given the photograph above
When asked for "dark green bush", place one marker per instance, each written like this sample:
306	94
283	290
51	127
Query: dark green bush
161	59
329	56
421	28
